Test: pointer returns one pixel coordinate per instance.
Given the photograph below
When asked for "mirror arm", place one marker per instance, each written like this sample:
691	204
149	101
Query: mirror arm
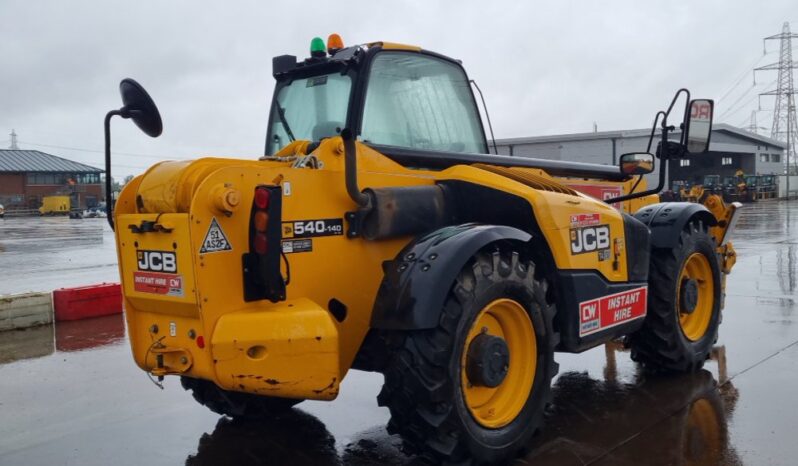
643	193
662	154
109	205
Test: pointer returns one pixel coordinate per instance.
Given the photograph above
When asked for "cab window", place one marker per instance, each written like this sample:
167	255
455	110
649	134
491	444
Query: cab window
308	109
421	102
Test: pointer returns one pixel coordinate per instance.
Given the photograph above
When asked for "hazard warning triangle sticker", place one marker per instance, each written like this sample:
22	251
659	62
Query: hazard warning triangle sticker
215	239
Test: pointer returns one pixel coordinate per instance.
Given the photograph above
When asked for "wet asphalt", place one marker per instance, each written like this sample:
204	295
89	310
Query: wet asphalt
71	394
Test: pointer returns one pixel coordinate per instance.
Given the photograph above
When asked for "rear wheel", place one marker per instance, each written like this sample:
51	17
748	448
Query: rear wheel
475	387
236	404
683	304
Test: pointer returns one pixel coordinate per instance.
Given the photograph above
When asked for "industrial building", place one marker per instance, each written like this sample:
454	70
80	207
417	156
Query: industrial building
26	176
730	149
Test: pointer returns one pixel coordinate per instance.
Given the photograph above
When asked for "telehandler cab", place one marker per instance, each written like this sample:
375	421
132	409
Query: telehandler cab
378	233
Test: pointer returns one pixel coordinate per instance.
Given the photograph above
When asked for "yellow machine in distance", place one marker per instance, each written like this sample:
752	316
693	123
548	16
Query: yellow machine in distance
378	233
52	205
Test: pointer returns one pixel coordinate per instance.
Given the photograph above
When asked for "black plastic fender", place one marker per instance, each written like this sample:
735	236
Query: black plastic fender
416	282
667	219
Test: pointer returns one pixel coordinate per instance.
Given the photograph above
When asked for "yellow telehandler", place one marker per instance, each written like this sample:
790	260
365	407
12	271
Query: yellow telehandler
379	233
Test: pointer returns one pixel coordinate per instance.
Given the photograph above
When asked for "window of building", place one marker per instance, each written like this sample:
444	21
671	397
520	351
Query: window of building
764	157
43	178
88	178
726	161
60	179
775	158
684	162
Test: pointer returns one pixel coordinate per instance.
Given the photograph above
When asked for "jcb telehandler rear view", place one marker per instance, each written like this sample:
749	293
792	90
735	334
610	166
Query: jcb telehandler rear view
378	233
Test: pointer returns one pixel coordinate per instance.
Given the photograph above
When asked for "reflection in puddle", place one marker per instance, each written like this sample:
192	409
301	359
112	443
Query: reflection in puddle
674	419
78	335
28	343
669	419
294	438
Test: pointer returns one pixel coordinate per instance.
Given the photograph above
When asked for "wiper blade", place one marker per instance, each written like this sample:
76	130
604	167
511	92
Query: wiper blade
283	121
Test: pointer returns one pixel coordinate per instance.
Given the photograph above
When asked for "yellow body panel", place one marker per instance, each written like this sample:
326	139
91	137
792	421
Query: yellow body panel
268	352
296	343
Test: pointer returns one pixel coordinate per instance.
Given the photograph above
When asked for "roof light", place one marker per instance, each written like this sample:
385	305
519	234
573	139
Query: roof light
317	48
334	43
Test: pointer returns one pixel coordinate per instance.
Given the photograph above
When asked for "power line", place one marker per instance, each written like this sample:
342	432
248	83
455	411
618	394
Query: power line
742	76
733	108
83	149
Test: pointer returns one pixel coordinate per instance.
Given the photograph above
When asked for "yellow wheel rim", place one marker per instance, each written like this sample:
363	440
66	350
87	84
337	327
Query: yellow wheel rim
695	324
498	406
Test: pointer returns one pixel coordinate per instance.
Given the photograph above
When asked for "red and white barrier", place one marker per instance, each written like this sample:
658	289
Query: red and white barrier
87	301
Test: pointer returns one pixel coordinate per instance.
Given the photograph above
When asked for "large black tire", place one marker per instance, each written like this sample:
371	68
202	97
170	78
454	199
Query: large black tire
236	404
424	375
661	344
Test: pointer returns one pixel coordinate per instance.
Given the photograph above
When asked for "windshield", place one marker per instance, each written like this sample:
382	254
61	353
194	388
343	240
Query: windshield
421	102
311	108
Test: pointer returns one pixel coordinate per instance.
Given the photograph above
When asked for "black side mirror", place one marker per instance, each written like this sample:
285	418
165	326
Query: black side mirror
139	106
636	163
698	127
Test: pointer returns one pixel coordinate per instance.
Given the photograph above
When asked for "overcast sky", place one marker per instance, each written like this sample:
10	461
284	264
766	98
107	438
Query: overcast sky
545	67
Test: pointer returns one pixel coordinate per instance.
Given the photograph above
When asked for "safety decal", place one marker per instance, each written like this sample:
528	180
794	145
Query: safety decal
590	238
291	246
313	228
611	310
215	239
585	220
156	261
158	283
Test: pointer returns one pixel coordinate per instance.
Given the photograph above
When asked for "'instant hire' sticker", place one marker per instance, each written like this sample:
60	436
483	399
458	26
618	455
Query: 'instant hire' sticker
215	239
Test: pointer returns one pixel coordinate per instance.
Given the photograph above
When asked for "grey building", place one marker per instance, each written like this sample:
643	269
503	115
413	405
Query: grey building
730	149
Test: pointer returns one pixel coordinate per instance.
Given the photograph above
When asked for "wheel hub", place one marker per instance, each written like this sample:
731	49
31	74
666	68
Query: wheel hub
488	360
689	296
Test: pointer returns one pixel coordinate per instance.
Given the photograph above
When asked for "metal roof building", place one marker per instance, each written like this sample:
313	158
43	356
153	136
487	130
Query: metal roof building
730	149
26	161
28	176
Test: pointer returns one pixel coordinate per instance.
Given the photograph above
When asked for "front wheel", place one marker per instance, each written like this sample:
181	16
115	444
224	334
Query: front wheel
684	304
475	387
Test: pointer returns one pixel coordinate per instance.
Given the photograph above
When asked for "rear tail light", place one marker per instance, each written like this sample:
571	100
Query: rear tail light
260	243
262	197
261	220
262	276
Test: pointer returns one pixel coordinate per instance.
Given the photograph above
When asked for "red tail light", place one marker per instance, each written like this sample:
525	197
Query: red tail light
262	198
261	244
263	278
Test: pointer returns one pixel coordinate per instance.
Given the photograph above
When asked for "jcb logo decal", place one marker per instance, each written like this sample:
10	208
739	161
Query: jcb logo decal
157	261
589	239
